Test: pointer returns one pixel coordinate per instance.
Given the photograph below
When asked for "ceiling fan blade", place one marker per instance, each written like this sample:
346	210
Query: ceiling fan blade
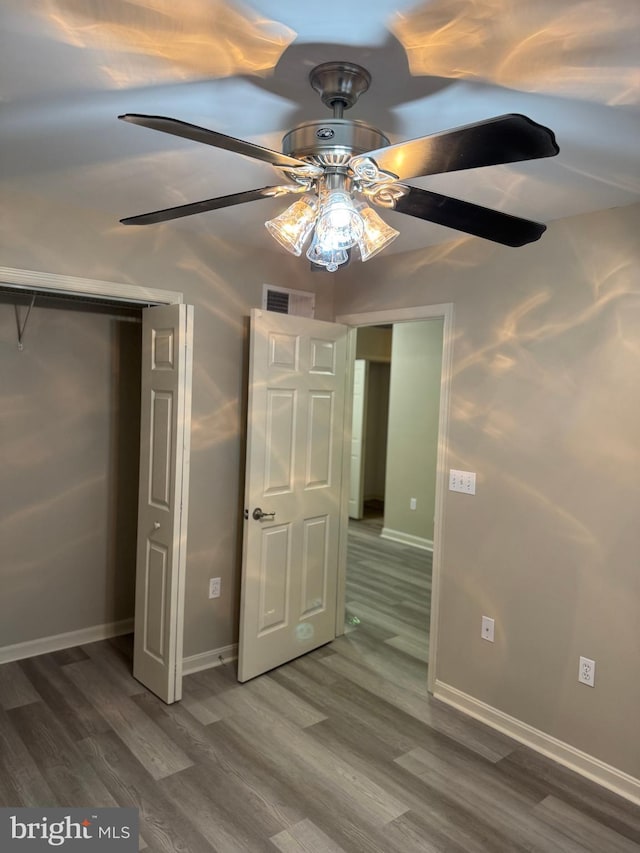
504	139
204	206
470	218
218	140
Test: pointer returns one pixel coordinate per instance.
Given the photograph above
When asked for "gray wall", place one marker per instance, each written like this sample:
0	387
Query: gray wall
224	282
545	408
412	444
70	411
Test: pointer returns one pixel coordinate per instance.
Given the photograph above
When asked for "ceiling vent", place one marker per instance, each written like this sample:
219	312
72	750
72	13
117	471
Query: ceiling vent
285	301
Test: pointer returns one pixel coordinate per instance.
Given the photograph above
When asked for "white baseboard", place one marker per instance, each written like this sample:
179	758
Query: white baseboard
45	645
207	660
407	539
604	774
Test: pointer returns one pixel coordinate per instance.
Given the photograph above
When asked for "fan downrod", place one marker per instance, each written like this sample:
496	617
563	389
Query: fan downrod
339	84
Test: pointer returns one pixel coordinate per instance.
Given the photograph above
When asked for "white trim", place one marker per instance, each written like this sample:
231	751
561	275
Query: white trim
54	283
210	659
407	538
603	774
45	645
398	315
343	539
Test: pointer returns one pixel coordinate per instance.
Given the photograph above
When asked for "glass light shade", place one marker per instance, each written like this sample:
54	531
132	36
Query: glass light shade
339	224
377	234
292	227
319	254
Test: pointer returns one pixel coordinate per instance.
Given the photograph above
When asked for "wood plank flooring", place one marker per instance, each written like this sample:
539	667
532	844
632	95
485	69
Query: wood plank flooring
388	595
340	751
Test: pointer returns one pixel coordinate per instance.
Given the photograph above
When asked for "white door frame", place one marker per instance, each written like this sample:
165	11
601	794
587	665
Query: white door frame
91	287
445	312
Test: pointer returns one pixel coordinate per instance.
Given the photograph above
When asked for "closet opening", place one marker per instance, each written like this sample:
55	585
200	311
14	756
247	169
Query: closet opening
71	369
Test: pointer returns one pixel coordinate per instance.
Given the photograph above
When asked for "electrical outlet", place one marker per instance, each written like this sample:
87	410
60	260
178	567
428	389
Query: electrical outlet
488	627
413	503
214	587
587	672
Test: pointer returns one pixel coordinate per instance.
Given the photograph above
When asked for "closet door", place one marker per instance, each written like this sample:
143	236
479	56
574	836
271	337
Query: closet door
167	347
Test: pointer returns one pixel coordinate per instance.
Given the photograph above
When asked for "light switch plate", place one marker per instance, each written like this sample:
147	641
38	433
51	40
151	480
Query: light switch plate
462	481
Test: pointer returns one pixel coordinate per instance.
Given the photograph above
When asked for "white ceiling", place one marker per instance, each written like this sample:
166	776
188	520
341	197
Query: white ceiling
69	67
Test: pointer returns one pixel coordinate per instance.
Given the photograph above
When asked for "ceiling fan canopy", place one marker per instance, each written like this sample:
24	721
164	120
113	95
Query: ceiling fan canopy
341	170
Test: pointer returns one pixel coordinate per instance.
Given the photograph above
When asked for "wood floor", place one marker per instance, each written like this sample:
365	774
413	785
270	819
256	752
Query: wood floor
341	750
388	590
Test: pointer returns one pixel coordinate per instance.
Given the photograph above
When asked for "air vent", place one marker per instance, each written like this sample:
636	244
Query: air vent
277	301
285	301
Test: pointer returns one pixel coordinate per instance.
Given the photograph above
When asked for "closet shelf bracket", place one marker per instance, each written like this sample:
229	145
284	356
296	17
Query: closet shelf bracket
22	326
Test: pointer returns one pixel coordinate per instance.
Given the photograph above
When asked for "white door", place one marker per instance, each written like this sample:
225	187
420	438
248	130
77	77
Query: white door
358	433
167	340
295	446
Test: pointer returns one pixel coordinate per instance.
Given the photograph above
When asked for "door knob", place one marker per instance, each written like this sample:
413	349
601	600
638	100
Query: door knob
156	525
259	515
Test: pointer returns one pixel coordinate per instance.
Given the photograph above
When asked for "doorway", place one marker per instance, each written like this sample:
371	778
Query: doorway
71	414
405	544
396	398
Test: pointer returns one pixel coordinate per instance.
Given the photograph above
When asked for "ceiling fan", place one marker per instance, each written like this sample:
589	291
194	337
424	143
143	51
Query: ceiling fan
338	168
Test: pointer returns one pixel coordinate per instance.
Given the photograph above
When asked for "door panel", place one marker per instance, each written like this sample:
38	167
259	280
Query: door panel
320	409
161	435
274	577
315	566
156	601
295	443
280	434
167	333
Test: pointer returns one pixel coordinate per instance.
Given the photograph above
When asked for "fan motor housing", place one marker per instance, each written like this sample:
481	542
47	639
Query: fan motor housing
332	142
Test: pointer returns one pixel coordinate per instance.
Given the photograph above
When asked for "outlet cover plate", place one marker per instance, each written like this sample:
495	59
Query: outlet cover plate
214	587
488	628
587	672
